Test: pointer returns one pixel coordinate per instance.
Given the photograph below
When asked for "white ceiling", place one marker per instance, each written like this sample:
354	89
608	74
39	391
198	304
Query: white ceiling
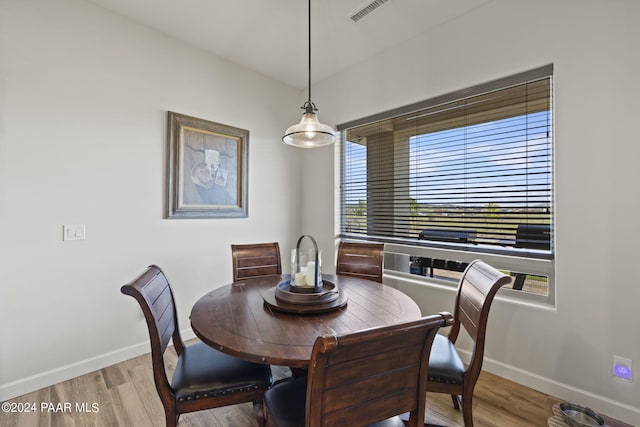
270	36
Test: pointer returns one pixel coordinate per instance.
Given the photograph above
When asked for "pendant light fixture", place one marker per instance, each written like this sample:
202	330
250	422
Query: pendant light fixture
309	133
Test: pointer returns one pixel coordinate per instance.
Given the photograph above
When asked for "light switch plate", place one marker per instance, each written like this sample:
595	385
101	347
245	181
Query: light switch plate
73	232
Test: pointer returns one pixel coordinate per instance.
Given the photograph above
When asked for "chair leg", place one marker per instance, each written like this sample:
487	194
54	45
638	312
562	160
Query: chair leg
456	401
171	417
258	409
467	408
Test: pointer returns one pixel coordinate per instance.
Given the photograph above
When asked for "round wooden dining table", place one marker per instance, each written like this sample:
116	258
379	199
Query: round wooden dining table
236	320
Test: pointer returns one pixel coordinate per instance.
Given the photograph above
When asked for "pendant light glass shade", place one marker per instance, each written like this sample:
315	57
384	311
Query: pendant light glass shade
309	133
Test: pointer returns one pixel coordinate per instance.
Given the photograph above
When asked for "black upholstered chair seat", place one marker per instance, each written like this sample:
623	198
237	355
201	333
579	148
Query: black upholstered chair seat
286	401
203	372
445	365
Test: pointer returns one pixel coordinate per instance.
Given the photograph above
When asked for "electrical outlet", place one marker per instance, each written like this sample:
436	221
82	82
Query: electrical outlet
622	368
73	232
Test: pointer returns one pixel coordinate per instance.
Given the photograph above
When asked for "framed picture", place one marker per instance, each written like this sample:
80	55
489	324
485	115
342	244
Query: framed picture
207	169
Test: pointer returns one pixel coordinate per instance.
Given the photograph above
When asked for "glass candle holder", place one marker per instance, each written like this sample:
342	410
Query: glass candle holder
306	267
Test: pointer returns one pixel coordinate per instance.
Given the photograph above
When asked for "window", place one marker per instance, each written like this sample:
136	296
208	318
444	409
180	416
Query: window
466	175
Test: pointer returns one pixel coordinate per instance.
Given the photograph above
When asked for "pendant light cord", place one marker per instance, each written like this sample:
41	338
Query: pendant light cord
309	50
309	132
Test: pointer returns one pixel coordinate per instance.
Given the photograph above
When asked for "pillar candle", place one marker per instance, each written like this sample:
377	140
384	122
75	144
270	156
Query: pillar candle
311	270
300	279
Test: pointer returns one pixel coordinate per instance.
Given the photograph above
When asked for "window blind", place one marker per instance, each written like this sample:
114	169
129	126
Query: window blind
468	170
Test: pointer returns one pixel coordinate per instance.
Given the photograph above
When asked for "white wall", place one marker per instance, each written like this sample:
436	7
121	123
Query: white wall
84	96
566	351
83	101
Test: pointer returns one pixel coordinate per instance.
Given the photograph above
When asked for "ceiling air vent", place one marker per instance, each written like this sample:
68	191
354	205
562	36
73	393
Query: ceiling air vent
355	17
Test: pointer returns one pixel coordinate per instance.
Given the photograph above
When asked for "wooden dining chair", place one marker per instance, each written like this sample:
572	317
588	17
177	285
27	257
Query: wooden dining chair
361	260
447	374
203	377
254	260
359	379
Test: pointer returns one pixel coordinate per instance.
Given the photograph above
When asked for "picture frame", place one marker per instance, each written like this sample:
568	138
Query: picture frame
207	168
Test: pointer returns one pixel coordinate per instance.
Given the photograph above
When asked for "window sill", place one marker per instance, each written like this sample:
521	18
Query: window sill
509	296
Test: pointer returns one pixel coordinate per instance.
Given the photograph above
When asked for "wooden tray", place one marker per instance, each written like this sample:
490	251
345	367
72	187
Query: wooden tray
270	300
293	295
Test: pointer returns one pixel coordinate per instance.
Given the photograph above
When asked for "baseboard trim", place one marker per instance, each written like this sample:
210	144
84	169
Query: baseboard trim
72	370
602	404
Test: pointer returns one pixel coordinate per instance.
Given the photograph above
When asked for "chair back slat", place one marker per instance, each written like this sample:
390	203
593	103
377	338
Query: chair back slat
163	313
153	292
368	376
152	289
356	366
478	287
254	260
361	260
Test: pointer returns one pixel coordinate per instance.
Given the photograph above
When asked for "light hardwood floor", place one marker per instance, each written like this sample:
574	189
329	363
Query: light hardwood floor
126	396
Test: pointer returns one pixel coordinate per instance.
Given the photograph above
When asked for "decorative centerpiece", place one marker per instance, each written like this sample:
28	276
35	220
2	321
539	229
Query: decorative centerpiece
306	291
306	268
